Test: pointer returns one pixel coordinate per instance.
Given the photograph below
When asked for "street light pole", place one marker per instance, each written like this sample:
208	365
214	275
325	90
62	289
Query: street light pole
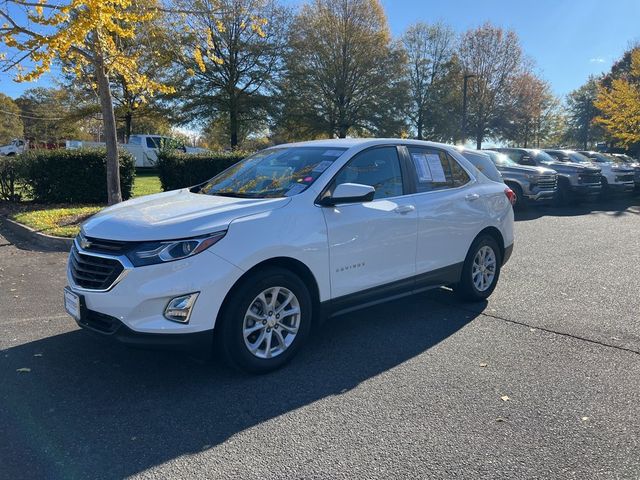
463	127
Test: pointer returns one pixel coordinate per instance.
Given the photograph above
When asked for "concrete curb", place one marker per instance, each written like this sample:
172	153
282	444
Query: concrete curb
33	236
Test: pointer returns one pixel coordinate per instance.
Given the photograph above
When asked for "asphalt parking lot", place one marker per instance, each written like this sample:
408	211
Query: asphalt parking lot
543	381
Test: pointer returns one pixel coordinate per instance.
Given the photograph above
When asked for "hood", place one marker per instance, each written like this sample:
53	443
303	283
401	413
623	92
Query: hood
525	169
173	215
622	168
570	167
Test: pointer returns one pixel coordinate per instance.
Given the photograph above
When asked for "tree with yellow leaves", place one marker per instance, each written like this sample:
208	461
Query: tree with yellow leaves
87	34
619	104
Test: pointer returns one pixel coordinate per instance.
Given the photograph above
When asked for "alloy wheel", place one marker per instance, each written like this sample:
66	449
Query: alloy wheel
483	271
271	322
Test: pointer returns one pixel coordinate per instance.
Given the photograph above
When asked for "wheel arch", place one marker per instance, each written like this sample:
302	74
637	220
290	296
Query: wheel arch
496	235
288	263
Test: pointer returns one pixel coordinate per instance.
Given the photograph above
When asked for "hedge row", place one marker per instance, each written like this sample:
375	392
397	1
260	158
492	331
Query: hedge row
180	170
67	176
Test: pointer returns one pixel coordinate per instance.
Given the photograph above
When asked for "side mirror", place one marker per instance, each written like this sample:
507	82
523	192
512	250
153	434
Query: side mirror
349	193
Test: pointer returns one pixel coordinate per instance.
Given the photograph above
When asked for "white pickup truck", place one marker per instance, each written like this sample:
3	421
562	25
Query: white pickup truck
16	147
144	148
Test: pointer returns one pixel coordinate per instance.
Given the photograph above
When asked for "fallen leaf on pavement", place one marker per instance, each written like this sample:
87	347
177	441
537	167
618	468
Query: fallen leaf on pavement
505	398
483	364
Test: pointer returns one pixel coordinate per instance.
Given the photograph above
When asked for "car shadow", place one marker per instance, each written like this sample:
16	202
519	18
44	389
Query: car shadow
618	206
92	409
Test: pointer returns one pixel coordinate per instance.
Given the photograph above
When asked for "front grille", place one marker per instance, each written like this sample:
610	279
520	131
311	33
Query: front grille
547	182
589	178
94	273
628	177
103	246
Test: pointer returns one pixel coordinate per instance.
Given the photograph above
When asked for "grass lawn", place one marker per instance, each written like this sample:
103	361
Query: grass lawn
146	183
65	220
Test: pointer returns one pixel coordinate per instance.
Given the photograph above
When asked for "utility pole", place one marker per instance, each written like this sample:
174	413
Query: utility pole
463	127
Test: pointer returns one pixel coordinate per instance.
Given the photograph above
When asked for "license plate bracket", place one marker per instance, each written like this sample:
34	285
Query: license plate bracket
73	303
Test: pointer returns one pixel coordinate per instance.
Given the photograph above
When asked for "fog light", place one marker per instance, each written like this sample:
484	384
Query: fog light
179	308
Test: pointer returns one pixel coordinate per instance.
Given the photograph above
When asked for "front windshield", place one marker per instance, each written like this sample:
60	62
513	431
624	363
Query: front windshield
541	156
500	159
600	158
275	172
576	157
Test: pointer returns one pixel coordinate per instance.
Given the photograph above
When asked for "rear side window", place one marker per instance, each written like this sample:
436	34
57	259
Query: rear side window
513	155
436	170
377	167
484	164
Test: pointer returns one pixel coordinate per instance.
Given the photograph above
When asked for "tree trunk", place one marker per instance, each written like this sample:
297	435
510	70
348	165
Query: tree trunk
128	117
233	123
342	130
420	122
479	138
114	195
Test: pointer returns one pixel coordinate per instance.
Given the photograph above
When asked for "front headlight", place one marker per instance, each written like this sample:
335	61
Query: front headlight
531	176
150	253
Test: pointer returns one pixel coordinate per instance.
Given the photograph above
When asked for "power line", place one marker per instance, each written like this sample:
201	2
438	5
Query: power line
32	117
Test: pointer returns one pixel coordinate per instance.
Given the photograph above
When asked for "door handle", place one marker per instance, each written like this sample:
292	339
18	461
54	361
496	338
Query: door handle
471	197
404	209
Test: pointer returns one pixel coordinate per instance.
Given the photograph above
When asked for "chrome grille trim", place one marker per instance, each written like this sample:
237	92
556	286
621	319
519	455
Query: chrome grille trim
86	270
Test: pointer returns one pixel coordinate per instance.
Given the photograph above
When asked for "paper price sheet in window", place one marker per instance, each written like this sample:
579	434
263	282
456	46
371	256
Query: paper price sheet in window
429	167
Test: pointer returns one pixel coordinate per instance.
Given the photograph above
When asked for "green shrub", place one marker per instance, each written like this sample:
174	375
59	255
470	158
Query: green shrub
180	170
11	173
74	176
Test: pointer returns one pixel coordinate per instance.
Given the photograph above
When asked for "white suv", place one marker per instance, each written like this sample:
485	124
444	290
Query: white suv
252	258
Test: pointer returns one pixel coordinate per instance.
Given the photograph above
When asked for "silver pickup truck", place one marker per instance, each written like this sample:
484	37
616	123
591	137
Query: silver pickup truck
530	184
575	180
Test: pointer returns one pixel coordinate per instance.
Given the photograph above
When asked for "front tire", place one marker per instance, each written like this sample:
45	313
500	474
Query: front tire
605	191
521	201
481	270
265	321
562	196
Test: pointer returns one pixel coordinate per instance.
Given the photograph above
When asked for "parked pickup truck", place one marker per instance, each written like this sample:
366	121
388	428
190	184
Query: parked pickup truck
144	148
628	161
530	184
574	179
615	177
16	147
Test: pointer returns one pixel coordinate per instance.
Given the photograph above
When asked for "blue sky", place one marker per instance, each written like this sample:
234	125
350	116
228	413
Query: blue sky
567	39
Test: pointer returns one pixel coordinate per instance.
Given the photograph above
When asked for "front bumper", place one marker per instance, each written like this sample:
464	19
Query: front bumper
541	195
587	189
140	297
621	187
112	328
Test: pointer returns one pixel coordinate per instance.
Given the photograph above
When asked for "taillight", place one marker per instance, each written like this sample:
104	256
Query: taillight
510	195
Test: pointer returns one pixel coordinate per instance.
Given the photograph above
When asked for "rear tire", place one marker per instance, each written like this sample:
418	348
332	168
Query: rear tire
249	336
481	270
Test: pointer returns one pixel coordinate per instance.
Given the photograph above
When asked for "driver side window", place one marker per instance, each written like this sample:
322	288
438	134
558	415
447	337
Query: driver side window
378	167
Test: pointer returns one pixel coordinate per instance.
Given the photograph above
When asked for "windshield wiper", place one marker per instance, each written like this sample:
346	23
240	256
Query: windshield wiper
226	193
